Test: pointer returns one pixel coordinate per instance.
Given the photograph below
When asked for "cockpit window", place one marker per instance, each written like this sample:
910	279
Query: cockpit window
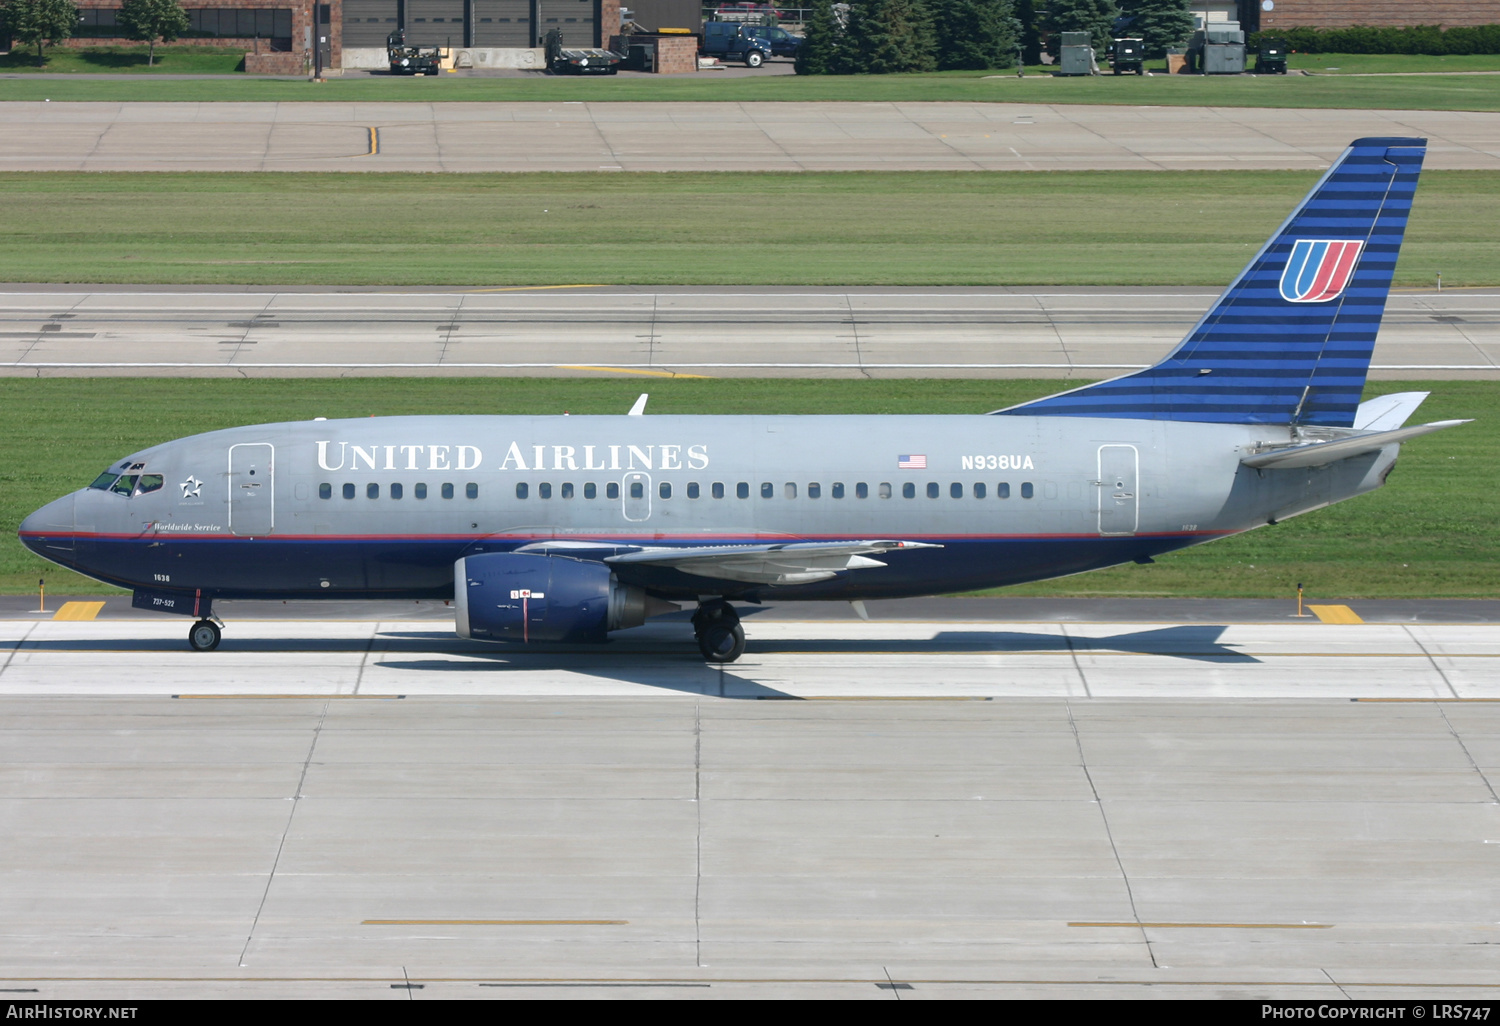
126	484
149	483
104	480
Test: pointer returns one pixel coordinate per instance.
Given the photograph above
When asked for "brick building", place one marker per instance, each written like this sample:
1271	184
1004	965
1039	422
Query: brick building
277	34
1398	13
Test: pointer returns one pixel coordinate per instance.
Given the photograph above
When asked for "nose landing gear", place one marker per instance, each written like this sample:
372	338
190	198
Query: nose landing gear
716	628
204	636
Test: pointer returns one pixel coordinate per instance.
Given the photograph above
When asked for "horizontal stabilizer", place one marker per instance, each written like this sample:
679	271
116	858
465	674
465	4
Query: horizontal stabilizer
1317	454
792	563
1387	412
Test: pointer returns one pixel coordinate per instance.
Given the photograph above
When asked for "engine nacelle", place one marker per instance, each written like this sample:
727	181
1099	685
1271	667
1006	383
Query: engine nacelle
514	596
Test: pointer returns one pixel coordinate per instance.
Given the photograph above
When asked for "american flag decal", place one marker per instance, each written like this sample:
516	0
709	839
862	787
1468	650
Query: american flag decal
917	462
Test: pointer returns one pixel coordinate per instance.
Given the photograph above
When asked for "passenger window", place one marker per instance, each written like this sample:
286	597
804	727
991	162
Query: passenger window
348	491
932	489
372	491
692	489
567	490
791	490
325	491
956	490
909	490
718	489
612	490
420	491
447	491
1026	490
591	491
637	490
885	489
125	485
1002	490
861	491
544	490
397	491
742	489
838	489
814	490
522	490
664	490
149	483
471	490
978	489
767	489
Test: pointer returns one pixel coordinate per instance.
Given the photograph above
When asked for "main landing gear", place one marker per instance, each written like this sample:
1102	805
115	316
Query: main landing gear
204	636
716	627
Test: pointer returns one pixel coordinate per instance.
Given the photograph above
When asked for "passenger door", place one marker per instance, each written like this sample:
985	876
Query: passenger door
252	489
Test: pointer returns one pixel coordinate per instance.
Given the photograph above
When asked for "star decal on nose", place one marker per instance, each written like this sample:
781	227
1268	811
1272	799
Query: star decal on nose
191	487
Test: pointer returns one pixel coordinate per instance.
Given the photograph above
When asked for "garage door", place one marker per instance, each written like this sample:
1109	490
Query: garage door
368	22
575	18
502	23
434	22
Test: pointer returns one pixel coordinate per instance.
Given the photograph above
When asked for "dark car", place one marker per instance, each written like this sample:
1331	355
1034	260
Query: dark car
783	43
731	40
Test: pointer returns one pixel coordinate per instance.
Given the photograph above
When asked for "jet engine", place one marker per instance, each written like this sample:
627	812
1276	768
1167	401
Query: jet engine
510	596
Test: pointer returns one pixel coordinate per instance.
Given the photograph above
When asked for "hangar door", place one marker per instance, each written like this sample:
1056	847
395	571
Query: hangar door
368	22
501	23
434	23
576	19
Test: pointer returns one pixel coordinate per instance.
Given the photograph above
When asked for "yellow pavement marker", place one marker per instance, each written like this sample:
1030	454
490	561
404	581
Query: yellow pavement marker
1335	614
78	611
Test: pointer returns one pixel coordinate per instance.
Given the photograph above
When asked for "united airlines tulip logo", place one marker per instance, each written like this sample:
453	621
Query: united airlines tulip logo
1318	269
191	487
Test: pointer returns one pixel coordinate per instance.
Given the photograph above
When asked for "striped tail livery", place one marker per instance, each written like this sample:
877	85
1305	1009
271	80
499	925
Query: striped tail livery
1290	340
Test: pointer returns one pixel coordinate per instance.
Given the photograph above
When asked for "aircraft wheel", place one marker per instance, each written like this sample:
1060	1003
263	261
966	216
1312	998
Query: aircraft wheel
204	636
722	643
754	59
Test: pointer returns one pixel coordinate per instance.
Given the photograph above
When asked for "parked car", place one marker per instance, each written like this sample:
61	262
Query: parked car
783	43
730	40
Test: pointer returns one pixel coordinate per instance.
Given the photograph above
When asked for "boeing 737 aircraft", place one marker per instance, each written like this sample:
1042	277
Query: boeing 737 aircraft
562	529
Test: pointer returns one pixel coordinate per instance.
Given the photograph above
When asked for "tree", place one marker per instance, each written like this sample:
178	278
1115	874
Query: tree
38	21
819	52
1095	17
146	20
974	34
1161	23
889	36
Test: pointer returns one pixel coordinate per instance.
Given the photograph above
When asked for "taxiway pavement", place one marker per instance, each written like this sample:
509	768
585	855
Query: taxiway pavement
762	136
951	806
51	330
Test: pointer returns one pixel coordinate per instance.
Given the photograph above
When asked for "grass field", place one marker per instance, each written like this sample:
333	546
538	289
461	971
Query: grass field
852	228
1428	533
1334	90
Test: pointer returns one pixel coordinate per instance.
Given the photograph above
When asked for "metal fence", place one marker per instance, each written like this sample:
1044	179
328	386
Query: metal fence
758	14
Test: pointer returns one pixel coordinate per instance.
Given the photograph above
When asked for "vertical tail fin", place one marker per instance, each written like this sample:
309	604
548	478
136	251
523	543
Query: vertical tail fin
1290	340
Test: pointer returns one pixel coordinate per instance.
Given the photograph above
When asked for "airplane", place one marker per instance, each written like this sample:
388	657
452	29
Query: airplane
565	528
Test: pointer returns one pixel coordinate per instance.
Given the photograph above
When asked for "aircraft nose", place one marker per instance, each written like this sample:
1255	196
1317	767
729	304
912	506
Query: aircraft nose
49	528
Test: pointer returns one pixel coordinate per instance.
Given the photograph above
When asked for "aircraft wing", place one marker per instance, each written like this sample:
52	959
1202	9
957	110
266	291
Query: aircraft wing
779	563
1316	454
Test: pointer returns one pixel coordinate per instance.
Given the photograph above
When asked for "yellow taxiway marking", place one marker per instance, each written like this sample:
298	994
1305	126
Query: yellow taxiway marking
494	922
1335	614
629	370
1218	926
374	142
78	611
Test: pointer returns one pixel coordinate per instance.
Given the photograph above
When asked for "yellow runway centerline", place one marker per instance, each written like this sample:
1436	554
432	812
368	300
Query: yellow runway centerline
631	370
